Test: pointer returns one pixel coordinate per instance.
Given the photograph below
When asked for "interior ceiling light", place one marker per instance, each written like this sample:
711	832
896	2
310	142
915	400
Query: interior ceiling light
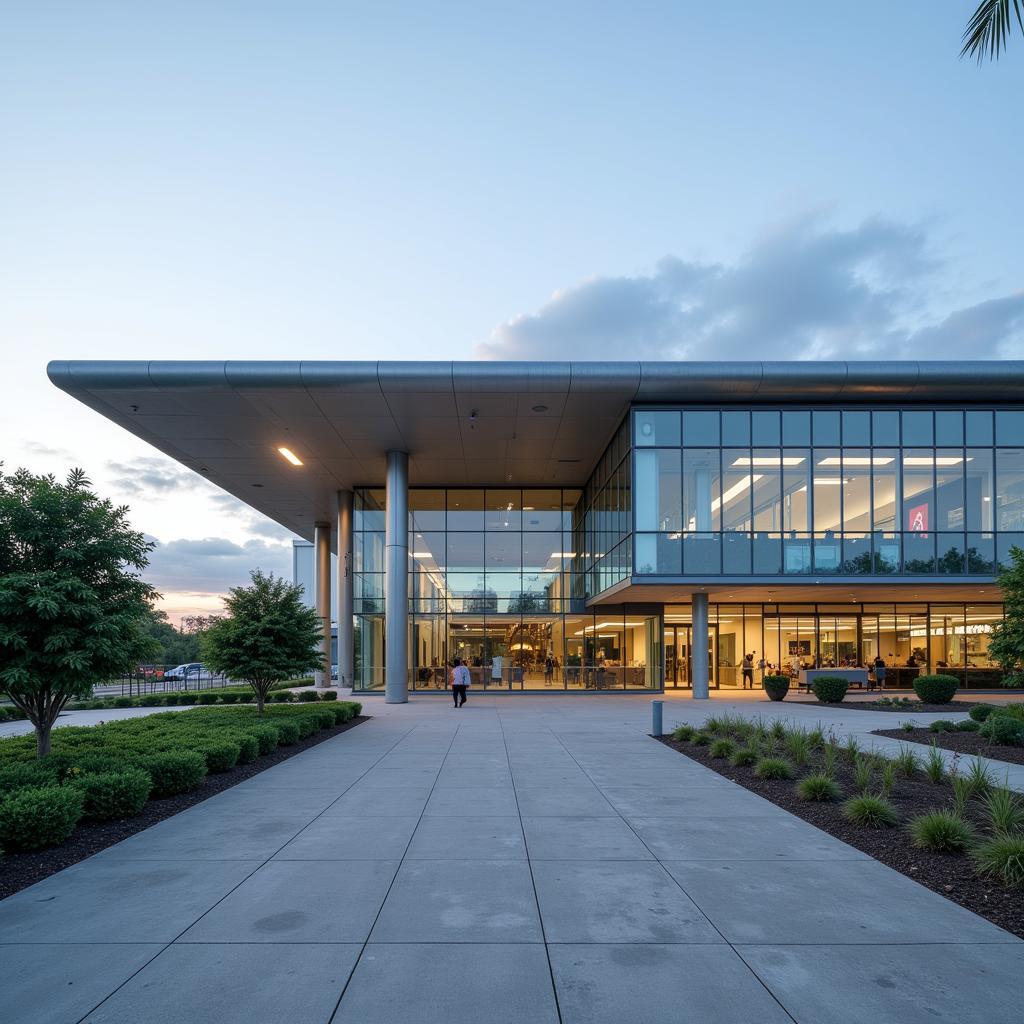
942	460
540	408
290	456
856	460
769	460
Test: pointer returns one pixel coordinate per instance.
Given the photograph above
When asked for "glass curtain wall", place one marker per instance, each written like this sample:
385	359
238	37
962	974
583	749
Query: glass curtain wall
491	583
826	492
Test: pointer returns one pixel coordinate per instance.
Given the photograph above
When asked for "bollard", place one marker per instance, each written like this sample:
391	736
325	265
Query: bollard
656	722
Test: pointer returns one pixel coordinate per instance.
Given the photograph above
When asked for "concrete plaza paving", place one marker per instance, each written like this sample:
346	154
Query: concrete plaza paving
534	860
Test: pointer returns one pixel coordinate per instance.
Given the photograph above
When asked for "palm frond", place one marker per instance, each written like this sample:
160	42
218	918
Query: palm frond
988	31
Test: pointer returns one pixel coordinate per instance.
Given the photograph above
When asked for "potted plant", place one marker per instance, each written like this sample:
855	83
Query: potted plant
776	687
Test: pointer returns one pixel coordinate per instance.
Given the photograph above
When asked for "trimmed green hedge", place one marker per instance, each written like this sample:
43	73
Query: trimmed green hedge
935	689
109	771
830	689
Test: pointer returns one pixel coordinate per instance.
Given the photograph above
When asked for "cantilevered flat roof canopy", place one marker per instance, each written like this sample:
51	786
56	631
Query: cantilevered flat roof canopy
462	423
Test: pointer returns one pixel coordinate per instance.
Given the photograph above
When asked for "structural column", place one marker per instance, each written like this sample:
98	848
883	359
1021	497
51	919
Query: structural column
396	580
346	645
699	647
322	588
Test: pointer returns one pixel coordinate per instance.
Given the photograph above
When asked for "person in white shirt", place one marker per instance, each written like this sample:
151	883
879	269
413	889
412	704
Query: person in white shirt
460	682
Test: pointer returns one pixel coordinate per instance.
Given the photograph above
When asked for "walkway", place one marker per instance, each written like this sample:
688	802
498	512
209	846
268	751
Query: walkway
519	861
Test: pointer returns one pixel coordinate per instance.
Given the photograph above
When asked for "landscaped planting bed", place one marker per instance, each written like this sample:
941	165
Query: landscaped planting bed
974	854
996	732
103	783
906	705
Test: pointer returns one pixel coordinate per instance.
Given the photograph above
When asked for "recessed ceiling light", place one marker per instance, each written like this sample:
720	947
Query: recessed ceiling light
540	408
290	456
257	485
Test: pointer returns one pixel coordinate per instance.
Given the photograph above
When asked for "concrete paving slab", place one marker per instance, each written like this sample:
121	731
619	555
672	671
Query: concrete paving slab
473	801
291	901
712	800
351	837
460	901
824	902
233	984
576	838
578	800
107	900
759	837
44	983
959	983
616	901
657	984
450	984
468	838
372	804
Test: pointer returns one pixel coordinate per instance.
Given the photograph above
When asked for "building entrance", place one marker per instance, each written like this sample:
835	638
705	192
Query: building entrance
678	671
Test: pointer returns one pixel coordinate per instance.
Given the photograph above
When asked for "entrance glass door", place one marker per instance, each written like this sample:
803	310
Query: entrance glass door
678	673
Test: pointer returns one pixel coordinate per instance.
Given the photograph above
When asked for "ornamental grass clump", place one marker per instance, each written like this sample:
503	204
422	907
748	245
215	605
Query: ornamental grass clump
1002	858
906	761
722	748
935	766
744	757
862	774
774	768
820	788
682	733
702	738
799	746
1003	811
870	811
941	832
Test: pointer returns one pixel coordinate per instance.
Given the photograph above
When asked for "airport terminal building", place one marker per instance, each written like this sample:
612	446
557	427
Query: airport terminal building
614	527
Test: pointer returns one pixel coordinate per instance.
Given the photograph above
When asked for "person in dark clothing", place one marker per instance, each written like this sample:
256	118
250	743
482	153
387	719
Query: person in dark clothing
460	682
748	671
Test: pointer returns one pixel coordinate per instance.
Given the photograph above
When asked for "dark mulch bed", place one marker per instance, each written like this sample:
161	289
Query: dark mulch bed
914	708
950	875
969	743
20	870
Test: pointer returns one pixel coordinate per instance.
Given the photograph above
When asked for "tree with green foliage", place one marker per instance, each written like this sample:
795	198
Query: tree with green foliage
268	634
171	645
1006	641
71	598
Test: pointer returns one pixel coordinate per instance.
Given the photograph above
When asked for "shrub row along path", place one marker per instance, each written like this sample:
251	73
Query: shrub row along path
528	860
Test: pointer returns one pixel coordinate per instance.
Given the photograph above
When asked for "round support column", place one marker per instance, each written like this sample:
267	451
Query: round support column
322	589
346	644
699	647
396	580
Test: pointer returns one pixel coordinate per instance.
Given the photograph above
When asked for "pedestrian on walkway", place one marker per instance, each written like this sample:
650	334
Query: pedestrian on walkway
460	682
748	671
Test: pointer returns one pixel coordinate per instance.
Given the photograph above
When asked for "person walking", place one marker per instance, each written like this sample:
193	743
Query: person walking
748	671
549	669
880	672
460	683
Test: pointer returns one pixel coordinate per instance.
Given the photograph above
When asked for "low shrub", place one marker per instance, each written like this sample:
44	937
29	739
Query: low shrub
248	746
829	689
150	700
112	795
246	698
1002	858
221	755
28	775
870	811
744	757
774	768
280	696
1014	681
981	711
968	725
122	702
98	763
34	818
229	698
722	748
1012	711
936	689
329	695
702	738
942	725
307	696
1002	729
266	737
287	732
819	788
908	726
682	733
776	687
206	697
174	771
941	832
170	699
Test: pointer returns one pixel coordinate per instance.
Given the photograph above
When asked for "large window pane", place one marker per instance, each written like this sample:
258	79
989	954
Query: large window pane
950	553
885	428
702	501
765	427
700	428
656	428
917	428
658	490
1009	428
885	470
465	551
949	489
949	428
702	554
543	552
856	428
503	551
979	489
796	505
465	510
426	509
826	429
978	427
658	554
736	505
1010	489
856	490
736	428
766	465
918	490
504	510
542	510
981	554
828	479
796	427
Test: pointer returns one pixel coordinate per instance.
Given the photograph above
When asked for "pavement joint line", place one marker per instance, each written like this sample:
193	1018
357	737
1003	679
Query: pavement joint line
675	881
405	852
242	881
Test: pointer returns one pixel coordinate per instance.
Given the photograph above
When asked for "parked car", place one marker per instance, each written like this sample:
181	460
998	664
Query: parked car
182	673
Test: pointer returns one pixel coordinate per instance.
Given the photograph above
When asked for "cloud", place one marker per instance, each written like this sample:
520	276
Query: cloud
803	291
212	565
154	475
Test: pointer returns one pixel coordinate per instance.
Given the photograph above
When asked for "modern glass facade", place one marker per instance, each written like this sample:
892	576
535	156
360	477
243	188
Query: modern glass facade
491	582
826	492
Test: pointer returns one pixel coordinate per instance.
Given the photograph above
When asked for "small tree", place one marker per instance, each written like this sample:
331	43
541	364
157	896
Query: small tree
71	600
268	634
1006	641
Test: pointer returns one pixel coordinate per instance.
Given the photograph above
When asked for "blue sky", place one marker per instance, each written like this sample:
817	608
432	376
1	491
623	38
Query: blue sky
445	180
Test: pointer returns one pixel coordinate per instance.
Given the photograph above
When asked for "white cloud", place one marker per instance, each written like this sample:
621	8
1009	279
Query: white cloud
212	565
802	291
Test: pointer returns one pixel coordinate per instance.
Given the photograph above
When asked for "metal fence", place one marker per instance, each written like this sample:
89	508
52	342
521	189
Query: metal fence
154	679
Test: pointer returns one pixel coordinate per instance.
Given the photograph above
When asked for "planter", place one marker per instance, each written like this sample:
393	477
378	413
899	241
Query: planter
776	687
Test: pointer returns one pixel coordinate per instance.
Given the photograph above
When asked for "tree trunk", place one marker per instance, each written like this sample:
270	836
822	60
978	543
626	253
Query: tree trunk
260	698
43	740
